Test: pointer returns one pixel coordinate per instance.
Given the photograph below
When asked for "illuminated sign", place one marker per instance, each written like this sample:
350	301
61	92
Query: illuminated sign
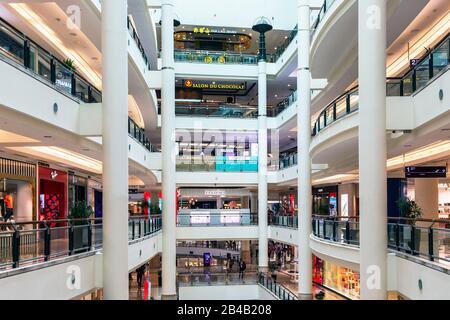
208	30
213	85
214	193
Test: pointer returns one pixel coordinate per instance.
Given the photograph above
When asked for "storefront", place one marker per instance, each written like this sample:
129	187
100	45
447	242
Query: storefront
230	199
325	199
287	203
53	193
17	190
77	189
339	279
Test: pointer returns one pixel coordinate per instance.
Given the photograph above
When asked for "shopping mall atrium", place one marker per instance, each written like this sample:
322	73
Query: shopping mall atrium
225	150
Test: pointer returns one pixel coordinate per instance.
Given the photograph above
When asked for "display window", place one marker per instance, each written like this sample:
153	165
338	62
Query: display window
325	200
342	280
53	198
77	190
17	190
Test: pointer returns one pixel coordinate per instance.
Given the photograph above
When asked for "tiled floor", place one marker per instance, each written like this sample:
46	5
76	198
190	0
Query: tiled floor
138	293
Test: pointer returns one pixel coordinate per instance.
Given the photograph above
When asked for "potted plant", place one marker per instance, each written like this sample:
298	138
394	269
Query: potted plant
80	214
154	208
411	210
70	64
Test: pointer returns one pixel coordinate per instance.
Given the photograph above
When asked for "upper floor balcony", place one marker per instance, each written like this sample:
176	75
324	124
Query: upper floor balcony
428	68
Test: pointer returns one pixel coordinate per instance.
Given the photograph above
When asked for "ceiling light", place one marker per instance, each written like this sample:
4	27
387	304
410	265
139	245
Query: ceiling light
430	37
33	19
62	155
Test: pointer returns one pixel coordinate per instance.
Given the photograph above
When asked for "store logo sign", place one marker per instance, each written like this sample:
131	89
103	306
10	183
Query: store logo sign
215	193
53	174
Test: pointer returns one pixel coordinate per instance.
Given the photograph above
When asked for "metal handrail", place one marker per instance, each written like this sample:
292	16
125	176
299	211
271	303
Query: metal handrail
409	77
21	247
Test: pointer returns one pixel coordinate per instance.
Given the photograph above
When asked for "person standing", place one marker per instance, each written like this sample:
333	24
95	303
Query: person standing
242	267
9	207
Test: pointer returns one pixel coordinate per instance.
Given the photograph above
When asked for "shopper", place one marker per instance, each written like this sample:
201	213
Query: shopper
140	275
332	211
242	267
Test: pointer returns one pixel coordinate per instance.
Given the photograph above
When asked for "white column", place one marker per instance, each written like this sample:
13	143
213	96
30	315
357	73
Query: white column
304	159
253	203
168	152
263	261
372	148
115	149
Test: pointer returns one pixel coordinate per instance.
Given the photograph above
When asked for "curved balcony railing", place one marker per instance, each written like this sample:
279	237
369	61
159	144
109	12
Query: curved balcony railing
322	13
432	65
138	134
18	50
27	243
223	110
224	219
283	105
429	239
281	292
281	49
136	39
284	221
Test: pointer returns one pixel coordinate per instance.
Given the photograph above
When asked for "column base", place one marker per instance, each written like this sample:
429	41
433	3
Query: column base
169	297
305	296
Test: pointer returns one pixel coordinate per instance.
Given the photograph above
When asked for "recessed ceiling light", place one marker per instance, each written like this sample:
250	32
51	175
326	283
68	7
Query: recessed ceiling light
73	34
94	58
48	137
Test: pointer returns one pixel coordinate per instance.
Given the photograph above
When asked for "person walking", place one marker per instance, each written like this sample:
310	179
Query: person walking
140	275
242	267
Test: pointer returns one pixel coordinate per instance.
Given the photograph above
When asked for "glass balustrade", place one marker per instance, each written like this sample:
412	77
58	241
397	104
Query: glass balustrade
281	292
418	77
429	239
207	163
27	243
139	135
217	57
212	57
322	13
17	49
224	218
135	37
223	110
215	110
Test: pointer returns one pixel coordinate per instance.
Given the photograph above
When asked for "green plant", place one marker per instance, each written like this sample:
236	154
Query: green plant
69	63
273	266
154	208
409	208
80	212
